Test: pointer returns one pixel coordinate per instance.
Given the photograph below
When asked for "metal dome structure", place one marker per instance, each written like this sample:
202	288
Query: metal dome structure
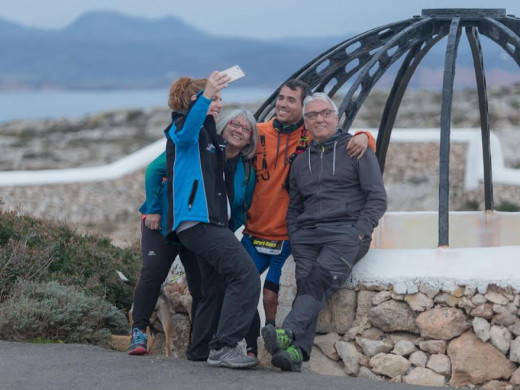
362	60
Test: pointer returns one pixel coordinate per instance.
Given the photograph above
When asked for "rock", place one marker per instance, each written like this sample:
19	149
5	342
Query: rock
514	353
326	345
428	290
504	319
373	333
446	299
357	330
392	316
364	360
287	291
484	310
478	299
339	314
500	338
389	365
439	363
509	308
424	377
349	355
515	328
395	337
516	300
404	348
496	298
181	335
475	362
515	378
364	303
397	297
373	347
381	297
481	328
321	364
433	346
443	323
366	373
419	302
469	292
496	385
418	359
458	291
466	304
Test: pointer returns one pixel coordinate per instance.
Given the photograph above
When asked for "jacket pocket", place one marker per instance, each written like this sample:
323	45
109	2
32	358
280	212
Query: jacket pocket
193	193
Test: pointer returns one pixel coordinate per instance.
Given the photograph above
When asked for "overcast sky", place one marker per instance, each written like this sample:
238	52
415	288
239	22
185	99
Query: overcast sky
258	18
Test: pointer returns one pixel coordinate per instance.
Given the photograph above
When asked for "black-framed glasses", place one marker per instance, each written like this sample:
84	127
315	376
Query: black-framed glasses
325	114
238	125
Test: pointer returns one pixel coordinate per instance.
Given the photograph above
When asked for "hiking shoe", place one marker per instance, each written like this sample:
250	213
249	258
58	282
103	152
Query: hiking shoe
289	359
251	351
231	357
138	344
276	339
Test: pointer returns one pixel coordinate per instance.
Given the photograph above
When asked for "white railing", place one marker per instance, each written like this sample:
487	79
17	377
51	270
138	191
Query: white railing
141	158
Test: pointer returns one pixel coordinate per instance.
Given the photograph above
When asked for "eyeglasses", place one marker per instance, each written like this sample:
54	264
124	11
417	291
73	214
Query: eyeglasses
238	125
325	114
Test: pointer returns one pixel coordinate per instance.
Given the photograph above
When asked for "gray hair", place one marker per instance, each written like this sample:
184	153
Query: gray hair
249	151
319	96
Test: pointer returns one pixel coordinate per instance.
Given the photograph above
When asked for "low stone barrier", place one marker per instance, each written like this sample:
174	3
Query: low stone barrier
431	317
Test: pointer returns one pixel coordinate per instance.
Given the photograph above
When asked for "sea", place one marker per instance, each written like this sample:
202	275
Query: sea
16	105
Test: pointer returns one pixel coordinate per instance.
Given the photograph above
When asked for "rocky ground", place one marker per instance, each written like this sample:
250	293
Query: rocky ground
411	173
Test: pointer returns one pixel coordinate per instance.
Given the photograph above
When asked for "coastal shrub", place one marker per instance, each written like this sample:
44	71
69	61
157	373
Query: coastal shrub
507	206
54	312
41	250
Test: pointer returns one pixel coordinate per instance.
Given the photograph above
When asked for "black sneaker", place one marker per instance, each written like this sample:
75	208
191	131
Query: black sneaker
289	359
276	339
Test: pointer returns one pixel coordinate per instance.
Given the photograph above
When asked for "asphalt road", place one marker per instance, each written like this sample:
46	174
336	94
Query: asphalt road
72	366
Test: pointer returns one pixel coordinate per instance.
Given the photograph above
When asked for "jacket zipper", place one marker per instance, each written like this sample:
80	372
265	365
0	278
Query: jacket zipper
192	194
319	177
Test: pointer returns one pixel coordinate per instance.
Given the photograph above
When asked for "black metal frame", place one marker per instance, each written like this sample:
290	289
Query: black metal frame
363	59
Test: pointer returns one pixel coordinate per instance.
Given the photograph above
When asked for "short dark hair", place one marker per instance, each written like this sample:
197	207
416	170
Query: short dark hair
294	84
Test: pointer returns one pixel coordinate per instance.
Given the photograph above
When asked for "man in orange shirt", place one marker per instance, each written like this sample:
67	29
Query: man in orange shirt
265	237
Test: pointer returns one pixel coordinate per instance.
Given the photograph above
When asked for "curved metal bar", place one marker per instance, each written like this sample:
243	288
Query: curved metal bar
338	58
404	40
444	153
502	35
393	102
478	61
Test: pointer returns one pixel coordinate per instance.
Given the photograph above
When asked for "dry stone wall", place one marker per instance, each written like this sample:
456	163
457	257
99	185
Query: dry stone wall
461	337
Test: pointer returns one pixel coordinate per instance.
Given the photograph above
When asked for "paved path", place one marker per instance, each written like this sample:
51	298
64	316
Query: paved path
26	366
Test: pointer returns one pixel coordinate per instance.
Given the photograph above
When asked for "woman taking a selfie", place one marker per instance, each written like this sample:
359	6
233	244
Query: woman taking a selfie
200	210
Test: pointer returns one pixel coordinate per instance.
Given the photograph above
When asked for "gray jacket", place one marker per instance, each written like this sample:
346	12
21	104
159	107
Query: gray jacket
328	186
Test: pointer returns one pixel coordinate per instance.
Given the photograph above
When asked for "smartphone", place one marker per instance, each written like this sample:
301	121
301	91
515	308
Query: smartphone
234	72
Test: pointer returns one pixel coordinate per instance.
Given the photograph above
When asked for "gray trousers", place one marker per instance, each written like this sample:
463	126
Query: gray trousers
227	269
324	257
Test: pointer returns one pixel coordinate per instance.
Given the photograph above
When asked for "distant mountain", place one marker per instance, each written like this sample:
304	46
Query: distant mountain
111	50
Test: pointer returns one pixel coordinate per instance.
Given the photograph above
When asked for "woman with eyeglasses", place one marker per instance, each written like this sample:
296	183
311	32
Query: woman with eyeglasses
200	164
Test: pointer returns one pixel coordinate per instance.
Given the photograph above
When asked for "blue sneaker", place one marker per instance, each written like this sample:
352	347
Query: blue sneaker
138	344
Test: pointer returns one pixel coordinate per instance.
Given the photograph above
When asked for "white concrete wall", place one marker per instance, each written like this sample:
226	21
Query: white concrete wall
141	158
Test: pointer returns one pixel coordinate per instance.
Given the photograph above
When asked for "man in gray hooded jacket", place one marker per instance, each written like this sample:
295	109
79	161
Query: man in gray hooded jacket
335	203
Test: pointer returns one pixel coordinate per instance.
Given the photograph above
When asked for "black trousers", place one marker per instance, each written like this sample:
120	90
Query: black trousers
324	257
158	256
229	280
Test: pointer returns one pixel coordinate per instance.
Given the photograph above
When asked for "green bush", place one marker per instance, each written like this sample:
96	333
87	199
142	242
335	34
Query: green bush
43	251
50	311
